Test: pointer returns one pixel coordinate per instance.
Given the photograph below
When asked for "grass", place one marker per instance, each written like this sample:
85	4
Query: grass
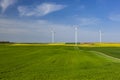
46	62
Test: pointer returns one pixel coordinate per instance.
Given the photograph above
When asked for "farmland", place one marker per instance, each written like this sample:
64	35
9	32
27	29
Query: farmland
63	62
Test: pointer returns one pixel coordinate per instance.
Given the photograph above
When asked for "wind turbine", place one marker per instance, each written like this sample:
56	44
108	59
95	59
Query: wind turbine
76	35
53	35
100	36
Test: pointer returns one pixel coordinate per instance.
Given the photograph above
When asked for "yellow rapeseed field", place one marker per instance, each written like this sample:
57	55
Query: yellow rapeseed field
64	44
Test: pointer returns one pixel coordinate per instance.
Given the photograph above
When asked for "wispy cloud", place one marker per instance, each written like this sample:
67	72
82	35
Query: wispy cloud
39	10
114	17
39	31
88	21
6	3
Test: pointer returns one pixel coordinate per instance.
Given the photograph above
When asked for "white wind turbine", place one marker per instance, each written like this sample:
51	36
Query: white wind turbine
53	36
100	36
76	35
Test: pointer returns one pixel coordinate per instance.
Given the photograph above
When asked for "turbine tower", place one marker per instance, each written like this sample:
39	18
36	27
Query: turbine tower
76	35
53	35
100	36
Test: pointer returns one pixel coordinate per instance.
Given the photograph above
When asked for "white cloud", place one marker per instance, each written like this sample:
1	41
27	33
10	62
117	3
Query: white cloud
115	17
40	31
39	10
88	21
6	3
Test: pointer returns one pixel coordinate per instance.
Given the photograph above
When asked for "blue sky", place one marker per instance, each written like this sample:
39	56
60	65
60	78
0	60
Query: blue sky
32	20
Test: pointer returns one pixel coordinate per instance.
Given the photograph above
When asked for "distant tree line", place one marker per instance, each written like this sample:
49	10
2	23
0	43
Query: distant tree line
5	42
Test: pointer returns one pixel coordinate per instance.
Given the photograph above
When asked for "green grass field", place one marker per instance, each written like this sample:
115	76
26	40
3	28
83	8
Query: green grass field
59	63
